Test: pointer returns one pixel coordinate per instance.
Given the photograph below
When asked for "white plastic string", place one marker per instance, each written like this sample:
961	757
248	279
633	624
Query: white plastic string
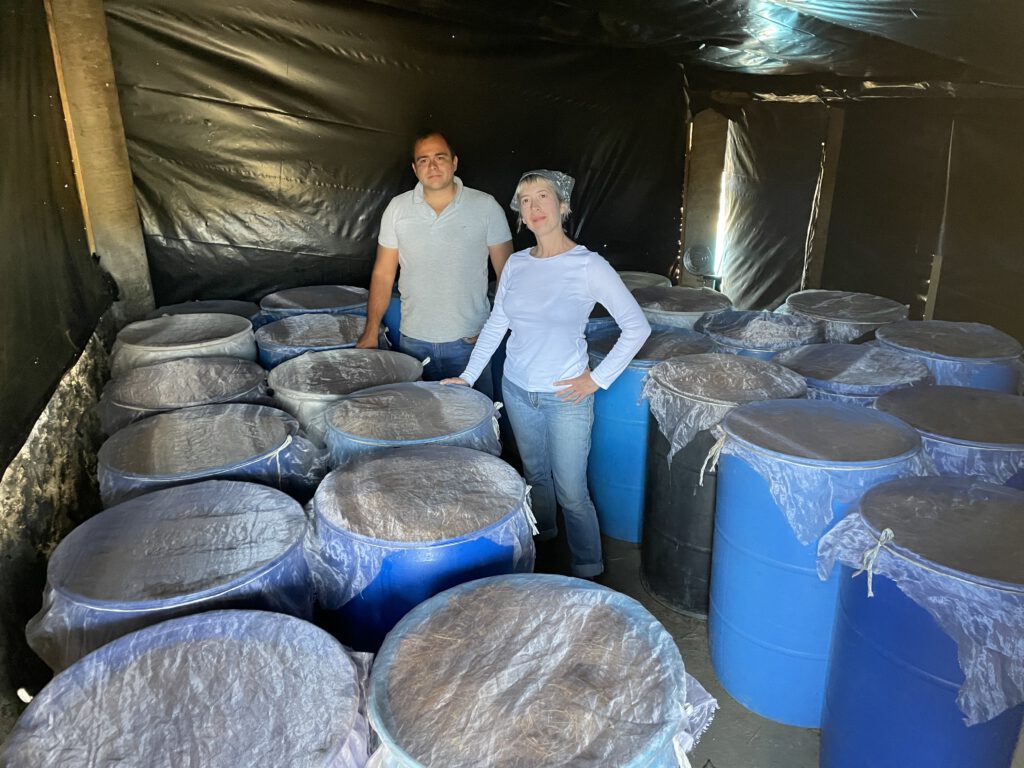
711	460
870	555
528	508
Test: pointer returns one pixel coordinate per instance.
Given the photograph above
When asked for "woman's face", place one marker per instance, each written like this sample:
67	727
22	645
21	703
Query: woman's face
540	208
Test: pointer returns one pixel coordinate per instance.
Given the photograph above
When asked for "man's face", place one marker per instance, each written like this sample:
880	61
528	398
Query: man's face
434	164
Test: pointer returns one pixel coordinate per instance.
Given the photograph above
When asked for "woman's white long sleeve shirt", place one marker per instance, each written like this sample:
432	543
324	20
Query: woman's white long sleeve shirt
546	303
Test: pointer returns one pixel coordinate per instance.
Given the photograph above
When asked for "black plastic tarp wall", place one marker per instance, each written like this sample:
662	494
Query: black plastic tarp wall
266	140
51	292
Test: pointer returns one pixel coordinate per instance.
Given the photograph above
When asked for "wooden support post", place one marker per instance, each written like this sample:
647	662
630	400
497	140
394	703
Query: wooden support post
821	209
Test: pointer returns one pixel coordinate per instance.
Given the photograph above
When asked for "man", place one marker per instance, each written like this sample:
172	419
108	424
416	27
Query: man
441	233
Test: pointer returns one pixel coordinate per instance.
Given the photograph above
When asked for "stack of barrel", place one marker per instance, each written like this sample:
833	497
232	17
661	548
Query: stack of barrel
204	578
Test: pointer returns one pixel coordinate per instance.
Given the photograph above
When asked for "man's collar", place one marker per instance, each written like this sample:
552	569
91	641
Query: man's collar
417	191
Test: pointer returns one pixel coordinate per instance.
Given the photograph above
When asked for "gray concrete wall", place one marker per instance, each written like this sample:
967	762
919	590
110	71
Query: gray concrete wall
48	489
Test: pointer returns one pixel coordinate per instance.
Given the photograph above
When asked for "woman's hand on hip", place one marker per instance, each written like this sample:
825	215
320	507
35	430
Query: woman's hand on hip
577	389
455	380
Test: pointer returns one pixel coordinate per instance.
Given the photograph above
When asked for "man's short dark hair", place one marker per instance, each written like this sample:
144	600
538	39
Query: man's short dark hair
426	134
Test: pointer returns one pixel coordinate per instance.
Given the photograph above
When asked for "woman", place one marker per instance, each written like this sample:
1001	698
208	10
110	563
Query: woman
546	295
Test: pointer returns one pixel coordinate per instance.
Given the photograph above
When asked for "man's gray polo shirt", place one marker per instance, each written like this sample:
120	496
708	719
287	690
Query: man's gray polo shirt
443	260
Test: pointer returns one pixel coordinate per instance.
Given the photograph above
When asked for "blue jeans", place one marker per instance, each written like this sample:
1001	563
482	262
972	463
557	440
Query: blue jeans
554	444
447	358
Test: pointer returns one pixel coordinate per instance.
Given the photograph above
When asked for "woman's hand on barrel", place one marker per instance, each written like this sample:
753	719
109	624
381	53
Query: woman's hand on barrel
577	389
455	380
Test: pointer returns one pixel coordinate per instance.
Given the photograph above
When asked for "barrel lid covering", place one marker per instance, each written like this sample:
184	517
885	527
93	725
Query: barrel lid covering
846	306
199	690
945	339
662	344
183	382
410	411
677	298
726	379
633	280
959	523
420	494
819	430
246	309
760	330
182	330
343	371
529	670
197	439
961	414
177	542
313	330
316	297
856	369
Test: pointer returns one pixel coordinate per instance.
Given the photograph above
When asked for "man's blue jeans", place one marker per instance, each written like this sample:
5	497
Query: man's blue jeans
447	358
554	443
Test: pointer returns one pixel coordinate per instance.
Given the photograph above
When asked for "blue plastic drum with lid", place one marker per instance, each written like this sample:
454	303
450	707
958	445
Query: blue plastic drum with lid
847	316
677	306
313	299
758	334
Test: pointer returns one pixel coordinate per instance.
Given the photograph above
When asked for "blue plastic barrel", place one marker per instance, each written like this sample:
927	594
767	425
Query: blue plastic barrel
788	471
188	381
173	552
220	689
534	670
292	336
853	373
313	299
847	316
415	413
975	432
234	441
678	306
396	528
246	309
959	354
895	681
176	336
758	334
393	321
618	446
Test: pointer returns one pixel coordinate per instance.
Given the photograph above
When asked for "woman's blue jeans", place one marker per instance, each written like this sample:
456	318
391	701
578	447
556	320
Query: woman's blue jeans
554	443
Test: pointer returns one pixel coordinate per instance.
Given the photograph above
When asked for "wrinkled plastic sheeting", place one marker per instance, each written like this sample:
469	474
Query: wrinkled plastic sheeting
691	395
234	441
180	383
965	431
173	552
246	309
857	370
175	336
308	385
848	316
662	344
291	336
421	497
955	552
313	300
809	473
412	413
202	690
534	670
734	330
679	306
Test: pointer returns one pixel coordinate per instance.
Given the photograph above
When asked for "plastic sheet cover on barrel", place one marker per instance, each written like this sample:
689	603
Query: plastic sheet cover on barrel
290	337
313	299
415	413
396	528
233	441
789	469
618	447
220	689
307	385
853	373
534	670
677	306
688	398
188	381
246	309
965	431
758	334
633	280
848	316
173	552
175	336
926	665
959	354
